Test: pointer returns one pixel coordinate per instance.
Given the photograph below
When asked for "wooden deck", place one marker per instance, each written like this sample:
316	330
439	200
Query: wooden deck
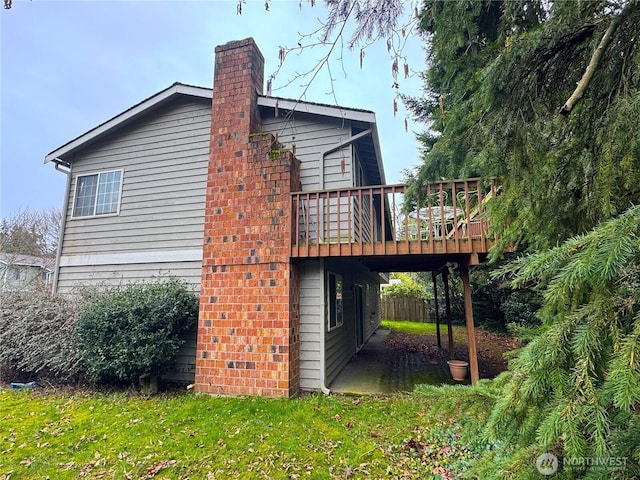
371	223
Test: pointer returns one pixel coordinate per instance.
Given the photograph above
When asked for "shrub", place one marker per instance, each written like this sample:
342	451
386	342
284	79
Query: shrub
520	307
136	330
37	337
498	306
407	288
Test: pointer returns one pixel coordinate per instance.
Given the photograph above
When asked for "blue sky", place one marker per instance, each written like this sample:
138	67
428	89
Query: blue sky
68	66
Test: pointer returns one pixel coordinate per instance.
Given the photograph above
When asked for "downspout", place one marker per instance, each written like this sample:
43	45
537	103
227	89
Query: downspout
65	168
323	332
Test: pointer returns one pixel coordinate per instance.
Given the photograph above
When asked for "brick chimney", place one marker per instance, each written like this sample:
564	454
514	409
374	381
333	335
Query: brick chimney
248	327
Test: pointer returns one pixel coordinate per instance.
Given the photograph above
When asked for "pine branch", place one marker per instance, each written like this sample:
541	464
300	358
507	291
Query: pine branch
595	60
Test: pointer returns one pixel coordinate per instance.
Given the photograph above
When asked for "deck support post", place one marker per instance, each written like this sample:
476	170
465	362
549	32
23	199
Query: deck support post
447	299
434	277
468	314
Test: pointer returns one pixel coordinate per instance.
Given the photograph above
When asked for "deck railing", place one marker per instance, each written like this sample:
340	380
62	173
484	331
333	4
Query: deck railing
371	220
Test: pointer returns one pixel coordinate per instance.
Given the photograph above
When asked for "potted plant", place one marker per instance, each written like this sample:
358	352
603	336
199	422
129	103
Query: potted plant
458	369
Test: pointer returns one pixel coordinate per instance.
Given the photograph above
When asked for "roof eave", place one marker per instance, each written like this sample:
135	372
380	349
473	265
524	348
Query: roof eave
317	109
127	116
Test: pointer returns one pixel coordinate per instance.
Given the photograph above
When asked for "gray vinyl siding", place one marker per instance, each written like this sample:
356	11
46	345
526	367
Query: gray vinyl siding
164	157
74	277
340	343
361	207
183	369
311	325
312	136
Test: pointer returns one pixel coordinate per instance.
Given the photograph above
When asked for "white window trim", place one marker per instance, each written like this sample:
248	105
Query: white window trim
75	191
330	328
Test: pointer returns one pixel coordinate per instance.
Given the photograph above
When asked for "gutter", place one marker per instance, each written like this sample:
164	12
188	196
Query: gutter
65	168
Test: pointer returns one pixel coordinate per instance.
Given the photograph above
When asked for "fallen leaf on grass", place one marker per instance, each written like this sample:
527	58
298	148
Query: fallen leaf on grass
152	471
445	473
443	450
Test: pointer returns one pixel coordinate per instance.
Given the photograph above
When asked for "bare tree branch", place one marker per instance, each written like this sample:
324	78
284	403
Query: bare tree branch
595	60
31	232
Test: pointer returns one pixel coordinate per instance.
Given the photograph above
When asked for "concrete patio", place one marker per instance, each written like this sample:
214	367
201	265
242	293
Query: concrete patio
381	369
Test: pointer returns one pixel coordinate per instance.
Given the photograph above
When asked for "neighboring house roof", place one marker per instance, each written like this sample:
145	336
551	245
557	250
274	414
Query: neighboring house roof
362	121
27	261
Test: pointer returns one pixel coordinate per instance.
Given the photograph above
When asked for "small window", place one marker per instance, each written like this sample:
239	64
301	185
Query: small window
335	300
17	274
97	194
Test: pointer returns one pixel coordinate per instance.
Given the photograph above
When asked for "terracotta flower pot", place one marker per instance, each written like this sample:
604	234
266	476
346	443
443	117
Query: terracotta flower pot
458	369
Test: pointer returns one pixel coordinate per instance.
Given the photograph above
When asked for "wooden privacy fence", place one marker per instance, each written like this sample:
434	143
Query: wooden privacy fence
411	309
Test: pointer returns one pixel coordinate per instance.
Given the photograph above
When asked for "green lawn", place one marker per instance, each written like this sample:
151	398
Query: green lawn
419	328
45	434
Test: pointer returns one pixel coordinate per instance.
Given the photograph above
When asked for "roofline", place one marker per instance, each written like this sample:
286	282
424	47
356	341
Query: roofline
25	264
203	92
317	109
129	114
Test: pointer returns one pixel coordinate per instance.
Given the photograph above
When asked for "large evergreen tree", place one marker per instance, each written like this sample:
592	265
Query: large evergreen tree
545	97
575	389
497	97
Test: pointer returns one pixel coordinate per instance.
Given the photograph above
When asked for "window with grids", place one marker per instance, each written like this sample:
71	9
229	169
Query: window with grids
97	194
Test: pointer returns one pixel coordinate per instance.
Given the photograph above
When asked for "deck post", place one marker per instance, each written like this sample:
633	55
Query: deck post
447	299
468	313
434	277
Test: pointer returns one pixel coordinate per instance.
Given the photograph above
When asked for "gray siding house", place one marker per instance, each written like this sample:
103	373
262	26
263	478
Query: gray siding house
24	272
135	207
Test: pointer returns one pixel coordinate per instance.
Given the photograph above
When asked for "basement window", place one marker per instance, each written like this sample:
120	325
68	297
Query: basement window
334	292
97	194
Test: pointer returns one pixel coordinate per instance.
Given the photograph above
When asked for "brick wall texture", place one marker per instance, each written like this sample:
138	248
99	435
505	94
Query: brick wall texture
248	329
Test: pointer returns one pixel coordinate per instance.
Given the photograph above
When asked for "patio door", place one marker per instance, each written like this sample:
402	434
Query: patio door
358	305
